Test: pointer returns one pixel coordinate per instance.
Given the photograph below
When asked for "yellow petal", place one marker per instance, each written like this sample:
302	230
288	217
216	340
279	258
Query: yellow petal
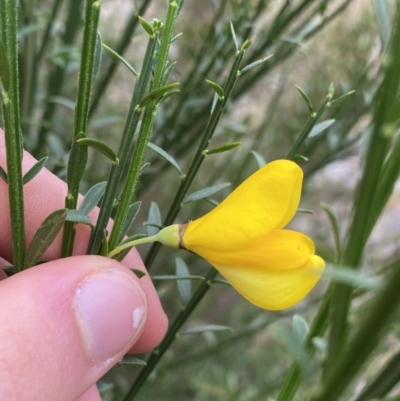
266	200
278	249
274	289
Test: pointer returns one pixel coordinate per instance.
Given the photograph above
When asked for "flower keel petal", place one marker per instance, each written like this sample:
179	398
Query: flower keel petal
274	289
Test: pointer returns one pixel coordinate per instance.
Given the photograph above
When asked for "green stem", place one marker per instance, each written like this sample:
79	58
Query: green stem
131	244
12	131
140	150
78	156
120	48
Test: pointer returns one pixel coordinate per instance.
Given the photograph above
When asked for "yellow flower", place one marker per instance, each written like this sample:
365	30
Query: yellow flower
244	239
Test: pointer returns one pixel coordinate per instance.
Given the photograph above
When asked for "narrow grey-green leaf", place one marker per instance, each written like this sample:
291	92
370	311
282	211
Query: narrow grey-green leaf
139	273
131	360
254	64
184	285
154	217
3	175
130	218
218	90
34	170
174	278
299	159
352	277
305	211
104	245
146	26
168	72
233	33
92	197
117	57
292	343
335	229
320	344
322	126
208	327
100	147
97	55
259	159
69	104
205	192
77	216
166	156
156	94
222	148
44	236
300	328
306	99
384	22
176	37
4	67
343	96
9	270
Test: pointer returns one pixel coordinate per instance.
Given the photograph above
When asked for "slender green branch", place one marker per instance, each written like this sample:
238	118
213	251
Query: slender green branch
78	156
12	131
120	48
140	150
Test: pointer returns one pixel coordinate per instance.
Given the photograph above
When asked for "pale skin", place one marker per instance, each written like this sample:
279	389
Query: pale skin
55	343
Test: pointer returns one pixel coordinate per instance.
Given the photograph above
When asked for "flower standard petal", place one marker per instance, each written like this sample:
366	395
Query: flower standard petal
277	249
266	200
274	289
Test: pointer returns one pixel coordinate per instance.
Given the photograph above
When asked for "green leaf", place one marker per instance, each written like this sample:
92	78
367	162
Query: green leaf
208	327
9	270
92	198
335	229
97	56
306	99
166	156
233	33
320	344
259	159
246	44
343	96
154	217
100	147
384	22
146	26
130	218
168	72
322	126
44	236
354	278
77	216
156	94
117	57
139	273
254	64
205	192
131	360
306	211
3	175
299	159
104	245
4	67
292	343
222	148
300	328
34	170
218	90
184	285
174	278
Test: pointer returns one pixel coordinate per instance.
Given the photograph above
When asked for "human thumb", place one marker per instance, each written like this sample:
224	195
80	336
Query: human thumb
64	324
